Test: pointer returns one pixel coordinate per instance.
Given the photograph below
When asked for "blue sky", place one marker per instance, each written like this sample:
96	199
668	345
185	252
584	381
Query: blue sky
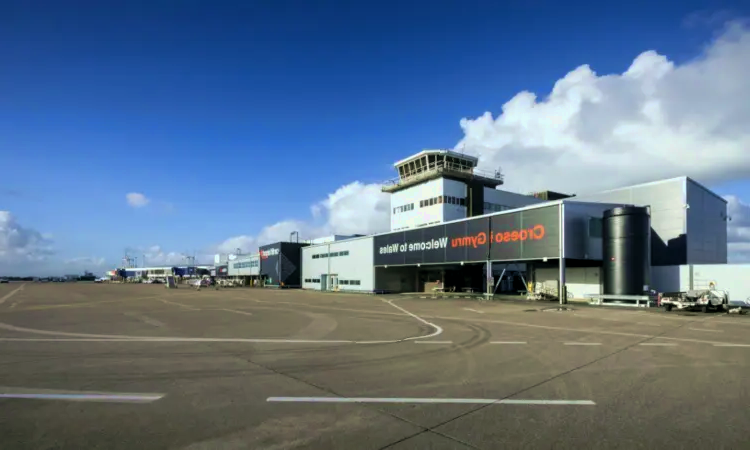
231	116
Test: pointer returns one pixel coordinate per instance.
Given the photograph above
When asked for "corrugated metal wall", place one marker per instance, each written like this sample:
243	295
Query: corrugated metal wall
667	200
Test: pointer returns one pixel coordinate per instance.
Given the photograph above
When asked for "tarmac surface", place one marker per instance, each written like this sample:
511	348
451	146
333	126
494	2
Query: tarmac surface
141	366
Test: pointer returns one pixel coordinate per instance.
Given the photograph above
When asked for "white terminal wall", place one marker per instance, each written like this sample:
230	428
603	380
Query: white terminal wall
579	281
358	265
734	278
234	271
433	214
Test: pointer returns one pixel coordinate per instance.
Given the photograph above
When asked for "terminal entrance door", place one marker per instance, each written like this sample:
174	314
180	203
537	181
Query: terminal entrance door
323	282
333	282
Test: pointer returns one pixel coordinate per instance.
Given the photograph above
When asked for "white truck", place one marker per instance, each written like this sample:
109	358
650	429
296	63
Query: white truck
704	300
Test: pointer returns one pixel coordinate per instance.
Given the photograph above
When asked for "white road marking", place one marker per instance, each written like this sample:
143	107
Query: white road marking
474	310
120	338
178	304
658	344
433	342
437	331
731	345
76	396
484	401
649	324
11	293
237	312
13	305
174	339
708	331
583	343
508	342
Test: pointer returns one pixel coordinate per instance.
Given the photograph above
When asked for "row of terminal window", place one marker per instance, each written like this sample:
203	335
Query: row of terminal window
442	199
494	207
346	282
331	255
431	201
404	208
242	265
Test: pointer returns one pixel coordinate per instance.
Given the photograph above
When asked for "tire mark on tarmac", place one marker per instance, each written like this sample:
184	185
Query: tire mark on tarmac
329	391
322	325
533	386
91	337
333	308
145	319
581	330
479	337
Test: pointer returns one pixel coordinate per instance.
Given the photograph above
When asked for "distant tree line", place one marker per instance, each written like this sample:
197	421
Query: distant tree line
87	276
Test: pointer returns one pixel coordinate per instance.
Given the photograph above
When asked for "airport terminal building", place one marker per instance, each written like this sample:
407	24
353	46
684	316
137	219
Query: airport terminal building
452	227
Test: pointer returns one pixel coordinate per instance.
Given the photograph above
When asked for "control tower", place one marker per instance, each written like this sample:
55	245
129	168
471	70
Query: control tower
436	186
433	164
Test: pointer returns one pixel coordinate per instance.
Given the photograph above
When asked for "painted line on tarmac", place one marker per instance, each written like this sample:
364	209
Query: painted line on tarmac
76	396
731	345
657	344
437	331
81	305
433	342
178	304
583	343
509	342
124	338
470	401
11	293
707	331
474	310
176	339
236	312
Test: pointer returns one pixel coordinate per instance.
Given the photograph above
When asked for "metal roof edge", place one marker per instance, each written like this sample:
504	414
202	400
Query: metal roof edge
706	189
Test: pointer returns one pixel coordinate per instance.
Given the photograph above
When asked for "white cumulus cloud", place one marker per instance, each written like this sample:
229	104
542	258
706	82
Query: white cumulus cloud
136	199
87	262
355	208
656	120
20	244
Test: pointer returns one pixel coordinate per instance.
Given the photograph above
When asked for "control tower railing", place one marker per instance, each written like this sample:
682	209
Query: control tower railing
443	168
